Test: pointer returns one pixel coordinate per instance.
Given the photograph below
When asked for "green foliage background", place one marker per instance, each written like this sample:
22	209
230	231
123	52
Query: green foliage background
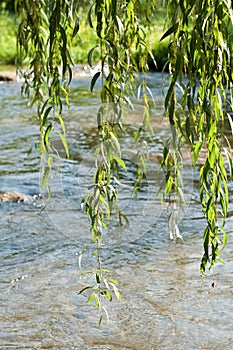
85	40
8	30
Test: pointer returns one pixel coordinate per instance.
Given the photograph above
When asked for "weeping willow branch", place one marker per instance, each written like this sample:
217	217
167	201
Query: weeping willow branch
45	32
200	65
200	49
120	33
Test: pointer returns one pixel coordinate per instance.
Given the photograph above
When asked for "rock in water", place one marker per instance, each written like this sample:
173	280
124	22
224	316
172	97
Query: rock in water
8	76
14	197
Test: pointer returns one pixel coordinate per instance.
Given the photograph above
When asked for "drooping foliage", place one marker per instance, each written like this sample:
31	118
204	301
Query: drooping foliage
120	33
45	32
198	102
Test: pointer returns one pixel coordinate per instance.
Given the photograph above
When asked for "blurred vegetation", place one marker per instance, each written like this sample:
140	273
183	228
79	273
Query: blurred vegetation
8	30
86	38
7	5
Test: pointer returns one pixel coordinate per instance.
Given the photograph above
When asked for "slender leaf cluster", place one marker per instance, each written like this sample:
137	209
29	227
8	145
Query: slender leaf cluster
197	106
120	33
104	287
45	31
198	103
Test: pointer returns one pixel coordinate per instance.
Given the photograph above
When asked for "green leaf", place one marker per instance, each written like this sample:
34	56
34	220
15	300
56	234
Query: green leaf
64	142
89	15
188	131
94	79
230	122
107	294
170	31
119	25
63	49
46	136
196	150
45	115
98	279
153	59
224	240
100	118
45	178
113	280
121	215
169	95
116	292
115	140
171	111
91	297
100	319
85	288
90	54
121	162
76	27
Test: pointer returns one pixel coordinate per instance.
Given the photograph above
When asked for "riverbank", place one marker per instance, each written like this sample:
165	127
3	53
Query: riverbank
83	42
8	30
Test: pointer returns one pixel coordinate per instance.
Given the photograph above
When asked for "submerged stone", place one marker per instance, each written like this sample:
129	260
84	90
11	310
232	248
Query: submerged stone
14	197
8	76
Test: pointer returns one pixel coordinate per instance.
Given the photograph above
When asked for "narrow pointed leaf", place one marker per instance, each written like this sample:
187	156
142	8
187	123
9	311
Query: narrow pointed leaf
170	31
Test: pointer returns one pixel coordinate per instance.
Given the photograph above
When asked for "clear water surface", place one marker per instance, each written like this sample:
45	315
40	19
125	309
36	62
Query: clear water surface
166	303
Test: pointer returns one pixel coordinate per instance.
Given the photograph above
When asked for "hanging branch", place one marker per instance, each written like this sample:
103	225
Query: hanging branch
200	50
45	32
120	34
200	65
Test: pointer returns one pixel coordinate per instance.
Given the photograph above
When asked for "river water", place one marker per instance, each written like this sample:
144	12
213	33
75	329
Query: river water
166	304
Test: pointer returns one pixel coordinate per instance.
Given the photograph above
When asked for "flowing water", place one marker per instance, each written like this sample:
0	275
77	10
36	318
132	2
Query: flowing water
166	303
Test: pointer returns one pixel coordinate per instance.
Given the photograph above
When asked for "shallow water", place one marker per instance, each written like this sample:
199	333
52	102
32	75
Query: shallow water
166	304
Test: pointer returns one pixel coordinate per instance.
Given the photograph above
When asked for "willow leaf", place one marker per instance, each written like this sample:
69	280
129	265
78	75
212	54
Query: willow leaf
90	54
46	136
94	79
85	288
64	142
45	178
170	31
121	162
